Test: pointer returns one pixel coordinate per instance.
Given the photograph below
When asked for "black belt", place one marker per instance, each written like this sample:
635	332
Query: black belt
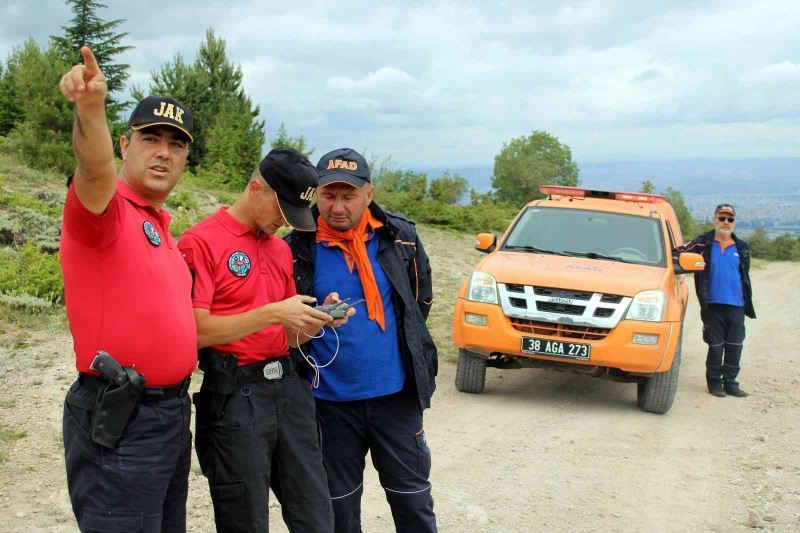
255	371
96	384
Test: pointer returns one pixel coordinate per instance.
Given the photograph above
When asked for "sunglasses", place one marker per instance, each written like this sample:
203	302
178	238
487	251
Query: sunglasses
726	219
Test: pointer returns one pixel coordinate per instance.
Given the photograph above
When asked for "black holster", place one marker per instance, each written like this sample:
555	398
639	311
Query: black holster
114	407
219	381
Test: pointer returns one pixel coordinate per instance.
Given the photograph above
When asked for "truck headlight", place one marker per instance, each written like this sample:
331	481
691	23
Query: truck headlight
647	306
482	288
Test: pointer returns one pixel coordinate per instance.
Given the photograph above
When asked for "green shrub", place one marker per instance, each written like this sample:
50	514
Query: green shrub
24	225
25	302
30	271
182	200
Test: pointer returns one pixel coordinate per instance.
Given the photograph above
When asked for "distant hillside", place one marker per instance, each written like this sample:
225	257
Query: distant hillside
690	176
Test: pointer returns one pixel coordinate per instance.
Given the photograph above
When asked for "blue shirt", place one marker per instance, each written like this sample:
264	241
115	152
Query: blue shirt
368	364
725	285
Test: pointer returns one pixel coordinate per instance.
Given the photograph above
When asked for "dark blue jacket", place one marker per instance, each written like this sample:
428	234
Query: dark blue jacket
403	259
702	280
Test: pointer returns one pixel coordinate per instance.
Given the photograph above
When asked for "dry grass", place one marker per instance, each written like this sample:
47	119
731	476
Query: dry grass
452	260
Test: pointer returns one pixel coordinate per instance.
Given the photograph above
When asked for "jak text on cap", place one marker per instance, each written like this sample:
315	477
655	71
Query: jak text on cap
161	111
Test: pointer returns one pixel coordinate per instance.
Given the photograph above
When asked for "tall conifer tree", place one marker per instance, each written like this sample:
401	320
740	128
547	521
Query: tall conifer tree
87	28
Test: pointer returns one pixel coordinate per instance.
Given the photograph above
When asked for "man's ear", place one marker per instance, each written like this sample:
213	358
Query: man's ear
123	146
370	193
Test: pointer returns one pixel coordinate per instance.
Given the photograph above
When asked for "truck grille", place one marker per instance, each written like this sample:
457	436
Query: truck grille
563	309
554	305
568	331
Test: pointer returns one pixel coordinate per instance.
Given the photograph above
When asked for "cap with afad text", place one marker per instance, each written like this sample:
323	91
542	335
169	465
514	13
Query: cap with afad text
294	180
161	111
725	208
344	165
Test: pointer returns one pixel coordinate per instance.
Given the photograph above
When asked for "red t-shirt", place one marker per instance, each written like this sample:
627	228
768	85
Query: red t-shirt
236	269
127	289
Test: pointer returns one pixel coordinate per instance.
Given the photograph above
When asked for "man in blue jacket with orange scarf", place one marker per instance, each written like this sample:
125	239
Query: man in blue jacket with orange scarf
374	379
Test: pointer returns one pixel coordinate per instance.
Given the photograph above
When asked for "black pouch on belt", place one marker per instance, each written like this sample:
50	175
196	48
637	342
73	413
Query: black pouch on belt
114	407
219	381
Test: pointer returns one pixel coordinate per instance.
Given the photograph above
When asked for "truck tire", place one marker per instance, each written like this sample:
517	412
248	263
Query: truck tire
656	394
470	372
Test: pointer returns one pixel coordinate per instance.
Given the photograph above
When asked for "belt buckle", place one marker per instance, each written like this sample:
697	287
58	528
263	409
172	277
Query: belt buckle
273	370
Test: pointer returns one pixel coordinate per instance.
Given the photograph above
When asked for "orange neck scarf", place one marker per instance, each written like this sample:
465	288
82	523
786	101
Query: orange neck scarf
353	245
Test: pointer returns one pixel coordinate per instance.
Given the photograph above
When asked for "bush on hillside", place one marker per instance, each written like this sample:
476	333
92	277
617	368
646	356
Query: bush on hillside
28	270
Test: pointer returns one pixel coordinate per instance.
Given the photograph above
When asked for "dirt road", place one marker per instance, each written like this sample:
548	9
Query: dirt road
538	451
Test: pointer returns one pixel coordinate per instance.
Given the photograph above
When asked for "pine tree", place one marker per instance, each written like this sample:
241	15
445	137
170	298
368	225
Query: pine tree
42	132
10	109
282	140
87	28
227	134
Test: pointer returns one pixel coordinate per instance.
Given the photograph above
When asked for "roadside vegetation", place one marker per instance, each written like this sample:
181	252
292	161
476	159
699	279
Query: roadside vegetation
36	157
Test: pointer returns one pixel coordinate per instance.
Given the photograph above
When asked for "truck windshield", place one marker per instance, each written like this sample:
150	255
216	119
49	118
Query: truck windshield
594	234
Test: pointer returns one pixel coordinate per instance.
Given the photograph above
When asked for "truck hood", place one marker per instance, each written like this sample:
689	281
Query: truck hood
578	273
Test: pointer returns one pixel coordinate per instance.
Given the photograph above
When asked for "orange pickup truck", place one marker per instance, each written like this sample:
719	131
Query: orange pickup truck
584	281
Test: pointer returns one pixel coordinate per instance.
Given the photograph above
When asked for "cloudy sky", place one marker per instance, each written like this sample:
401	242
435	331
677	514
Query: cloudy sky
446	83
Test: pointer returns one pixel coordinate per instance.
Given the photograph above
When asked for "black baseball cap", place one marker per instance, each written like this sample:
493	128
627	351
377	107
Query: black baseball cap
161	111
725	208
294	180
343	165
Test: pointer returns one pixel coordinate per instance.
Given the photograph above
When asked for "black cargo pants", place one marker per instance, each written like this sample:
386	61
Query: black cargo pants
142	484
266	424
390	427
723	331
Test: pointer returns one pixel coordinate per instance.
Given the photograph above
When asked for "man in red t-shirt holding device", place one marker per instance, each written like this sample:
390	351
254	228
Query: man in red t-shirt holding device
256	420
128	294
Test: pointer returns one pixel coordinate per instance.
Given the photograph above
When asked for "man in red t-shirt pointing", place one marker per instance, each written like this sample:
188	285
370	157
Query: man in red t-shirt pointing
128	293
256	421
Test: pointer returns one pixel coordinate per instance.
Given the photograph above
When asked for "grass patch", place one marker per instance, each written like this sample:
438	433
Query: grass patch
8	436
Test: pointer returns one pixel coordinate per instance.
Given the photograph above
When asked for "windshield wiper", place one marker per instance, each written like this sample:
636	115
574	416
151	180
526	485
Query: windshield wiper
595	255
533	249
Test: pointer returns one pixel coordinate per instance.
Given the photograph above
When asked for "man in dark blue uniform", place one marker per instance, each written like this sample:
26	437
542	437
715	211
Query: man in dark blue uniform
376	376
726	297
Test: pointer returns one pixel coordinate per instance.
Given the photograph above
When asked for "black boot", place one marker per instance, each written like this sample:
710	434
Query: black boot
717	390
735	391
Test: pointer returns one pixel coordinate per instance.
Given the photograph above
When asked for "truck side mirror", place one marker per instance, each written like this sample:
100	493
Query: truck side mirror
689	262
485	242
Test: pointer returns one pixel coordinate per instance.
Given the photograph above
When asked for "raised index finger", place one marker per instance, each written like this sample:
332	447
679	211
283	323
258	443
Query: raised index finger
89	61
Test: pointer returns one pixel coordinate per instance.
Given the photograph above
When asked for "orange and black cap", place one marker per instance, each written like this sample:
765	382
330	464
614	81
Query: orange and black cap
344	165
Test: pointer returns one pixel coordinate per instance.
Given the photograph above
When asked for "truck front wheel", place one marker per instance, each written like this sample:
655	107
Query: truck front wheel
470	372
656	394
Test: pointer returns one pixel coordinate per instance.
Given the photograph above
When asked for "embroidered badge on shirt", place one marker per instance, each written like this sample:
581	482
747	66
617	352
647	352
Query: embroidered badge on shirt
151	233
239	264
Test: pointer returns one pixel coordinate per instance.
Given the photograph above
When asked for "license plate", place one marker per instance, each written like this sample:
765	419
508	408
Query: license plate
572	350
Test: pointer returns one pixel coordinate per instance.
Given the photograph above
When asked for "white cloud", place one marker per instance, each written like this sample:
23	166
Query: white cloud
448	82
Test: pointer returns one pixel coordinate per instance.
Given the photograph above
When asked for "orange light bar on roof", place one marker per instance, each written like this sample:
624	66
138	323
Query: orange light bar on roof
561	190
638	197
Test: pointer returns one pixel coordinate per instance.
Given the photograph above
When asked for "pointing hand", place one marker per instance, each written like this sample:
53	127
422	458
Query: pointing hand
84	82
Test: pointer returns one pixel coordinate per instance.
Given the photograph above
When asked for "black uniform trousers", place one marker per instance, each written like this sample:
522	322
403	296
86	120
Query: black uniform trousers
142	484
390	427
268	426
723	331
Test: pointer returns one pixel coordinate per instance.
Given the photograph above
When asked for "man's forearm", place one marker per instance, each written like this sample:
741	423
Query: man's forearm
213	330
94	150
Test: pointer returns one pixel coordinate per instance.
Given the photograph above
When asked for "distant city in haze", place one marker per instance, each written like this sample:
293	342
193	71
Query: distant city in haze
765	191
